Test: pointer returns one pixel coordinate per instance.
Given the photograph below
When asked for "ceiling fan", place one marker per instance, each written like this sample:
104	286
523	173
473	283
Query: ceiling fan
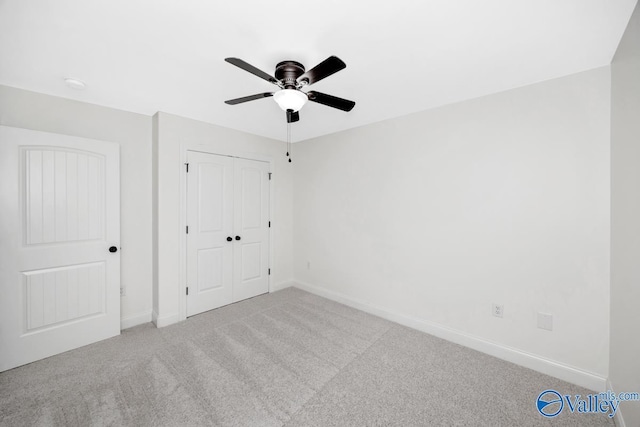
291	77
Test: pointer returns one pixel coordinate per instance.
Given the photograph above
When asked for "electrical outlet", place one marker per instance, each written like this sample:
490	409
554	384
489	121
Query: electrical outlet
497	310
308	265
123	292
545	321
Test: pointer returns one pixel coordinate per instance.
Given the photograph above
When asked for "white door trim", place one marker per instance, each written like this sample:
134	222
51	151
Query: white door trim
205	148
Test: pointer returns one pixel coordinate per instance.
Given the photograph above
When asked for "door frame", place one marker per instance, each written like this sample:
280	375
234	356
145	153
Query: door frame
207	149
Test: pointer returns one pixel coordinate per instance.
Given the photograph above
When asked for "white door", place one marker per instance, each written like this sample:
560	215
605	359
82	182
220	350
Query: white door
251	227
209	237
60	207
228	230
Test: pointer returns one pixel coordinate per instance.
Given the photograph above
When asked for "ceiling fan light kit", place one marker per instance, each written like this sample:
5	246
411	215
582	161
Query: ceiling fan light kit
290	99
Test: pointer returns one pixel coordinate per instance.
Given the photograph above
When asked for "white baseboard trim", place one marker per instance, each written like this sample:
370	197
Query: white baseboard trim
162	321
282	285
537	363
618	418
135	320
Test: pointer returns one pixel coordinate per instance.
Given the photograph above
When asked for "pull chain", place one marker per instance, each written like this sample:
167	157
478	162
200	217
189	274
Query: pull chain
289	141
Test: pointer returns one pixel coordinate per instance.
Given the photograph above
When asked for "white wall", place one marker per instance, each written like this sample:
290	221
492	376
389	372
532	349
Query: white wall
433	217
625	219
30	110
173	136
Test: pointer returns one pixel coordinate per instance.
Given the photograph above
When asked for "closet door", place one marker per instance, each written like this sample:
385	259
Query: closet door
228	230
251	228
210	195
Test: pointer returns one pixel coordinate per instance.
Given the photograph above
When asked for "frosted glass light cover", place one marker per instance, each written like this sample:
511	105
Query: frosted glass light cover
290	99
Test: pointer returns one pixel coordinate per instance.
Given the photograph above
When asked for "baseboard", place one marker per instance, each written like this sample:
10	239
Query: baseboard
618	419
162	321
135	320
537	363
282	285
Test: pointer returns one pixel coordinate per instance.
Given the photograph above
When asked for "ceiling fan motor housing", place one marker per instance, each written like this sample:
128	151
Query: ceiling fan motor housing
287	72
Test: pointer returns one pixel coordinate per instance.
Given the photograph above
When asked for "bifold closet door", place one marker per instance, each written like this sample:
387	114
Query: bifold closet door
228	230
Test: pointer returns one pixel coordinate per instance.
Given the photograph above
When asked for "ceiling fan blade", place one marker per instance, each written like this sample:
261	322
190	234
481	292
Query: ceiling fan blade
293	116
250	68
331	101
248	98
329	66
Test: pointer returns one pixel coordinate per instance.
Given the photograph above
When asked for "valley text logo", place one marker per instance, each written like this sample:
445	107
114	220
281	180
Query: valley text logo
550	403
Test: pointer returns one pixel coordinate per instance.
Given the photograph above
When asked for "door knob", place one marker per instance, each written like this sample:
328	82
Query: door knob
237	237
229	239
113	249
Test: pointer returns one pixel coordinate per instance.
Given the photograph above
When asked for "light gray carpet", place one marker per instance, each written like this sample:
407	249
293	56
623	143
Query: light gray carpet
284	359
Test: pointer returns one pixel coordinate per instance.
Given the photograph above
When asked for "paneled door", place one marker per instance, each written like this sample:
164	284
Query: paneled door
228	230
210	226
251	228
59	241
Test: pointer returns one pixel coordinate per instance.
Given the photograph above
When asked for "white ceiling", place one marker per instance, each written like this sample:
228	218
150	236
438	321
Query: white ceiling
402	56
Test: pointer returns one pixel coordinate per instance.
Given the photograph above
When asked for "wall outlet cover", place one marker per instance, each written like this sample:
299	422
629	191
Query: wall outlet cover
497	310
545	321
